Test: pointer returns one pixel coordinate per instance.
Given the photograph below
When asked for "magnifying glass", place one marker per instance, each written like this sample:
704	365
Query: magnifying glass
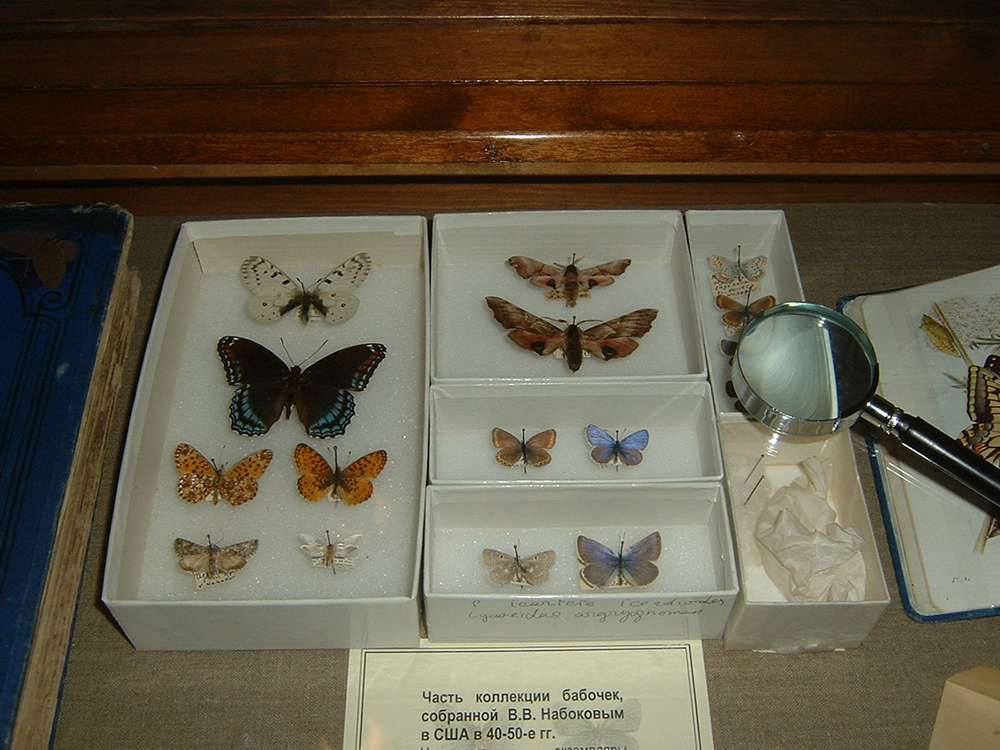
806	370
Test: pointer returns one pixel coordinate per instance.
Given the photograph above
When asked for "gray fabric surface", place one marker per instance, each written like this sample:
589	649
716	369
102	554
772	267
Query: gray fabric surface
882	695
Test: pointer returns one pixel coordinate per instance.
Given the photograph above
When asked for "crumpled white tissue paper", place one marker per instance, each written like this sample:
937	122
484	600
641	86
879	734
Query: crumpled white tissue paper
821	560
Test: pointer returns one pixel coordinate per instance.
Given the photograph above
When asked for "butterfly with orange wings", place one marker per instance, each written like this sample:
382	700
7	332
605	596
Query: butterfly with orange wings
201	478
352	484
737	314
612	339
567	282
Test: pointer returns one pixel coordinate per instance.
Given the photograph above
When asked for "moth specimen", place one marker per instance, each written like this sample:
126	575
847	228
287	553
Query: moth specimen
612	339
567	282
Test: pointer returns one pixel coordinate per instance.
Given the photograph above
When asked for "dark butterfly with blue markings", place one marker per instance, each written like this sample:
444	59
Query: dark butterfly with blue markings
612	450
320	393
603	567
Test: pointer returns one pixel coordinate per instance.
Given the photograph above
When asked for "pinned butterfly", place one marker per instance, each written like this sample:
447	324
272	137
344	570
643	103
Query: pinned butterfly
333	555
266	386
201	478
515	451
602	567
212	564
737	314
523	571
352	484
567	282
739	277
610	450
612	339
275	293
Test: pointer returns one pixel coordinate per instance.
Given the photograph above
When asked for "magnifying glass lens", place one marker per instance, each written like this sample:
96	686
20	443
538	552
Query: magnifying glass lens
804	369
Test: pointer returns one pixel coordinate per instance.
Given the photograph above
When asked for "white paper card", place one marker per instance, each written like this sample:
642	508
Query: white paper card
528	697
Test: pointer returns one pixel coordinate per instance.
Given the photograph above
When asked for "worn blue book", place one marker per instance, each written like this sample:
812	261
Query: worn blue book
61	274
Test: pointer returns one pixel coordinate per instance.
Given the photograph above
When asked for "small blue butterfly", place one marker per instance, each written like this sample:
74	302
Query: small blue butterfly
603	567
611	450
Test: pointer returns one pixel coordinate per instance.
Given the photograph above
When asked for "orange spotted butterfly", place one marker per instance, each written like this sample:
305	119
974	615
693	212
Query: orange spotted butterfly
201	477
351	484
609	340
267	386
737	314
567	282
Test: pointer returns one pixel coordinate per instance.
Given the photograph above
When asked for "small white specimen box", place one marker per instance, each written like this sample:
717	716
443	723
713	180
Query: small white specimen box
728	243
279	599
690	598
766	616
470	263
679	417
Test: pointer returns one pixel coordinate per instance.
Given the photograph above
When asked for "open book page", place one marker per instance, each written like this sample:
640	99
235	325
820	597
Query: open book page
926	339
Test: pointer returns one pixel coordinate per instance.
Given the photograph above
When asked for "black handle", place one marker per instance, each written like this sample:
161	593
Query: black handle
969	468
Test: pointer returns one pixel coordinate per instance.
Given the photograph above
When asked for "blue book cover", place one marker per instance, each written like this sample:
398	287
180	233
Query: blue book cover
58	266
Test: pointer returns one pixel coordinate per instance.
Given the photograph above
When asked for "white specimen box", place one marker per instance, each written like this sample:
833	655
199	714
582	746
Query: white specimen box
278	600
679	416
690	598
764	617
470	262
757	234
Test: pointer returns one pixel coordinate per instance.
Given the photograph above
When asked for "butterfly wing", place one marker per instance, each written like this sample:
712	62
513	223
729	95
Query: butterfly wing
535	568
503	566
234	557
983	437
273	291
264	384
529	331
600	563
321	398
239	484
354	485
630	448
511	451
601	275
536	448
193	557
604	445
637	562
318	477
616	338
199	478
538	273
333	300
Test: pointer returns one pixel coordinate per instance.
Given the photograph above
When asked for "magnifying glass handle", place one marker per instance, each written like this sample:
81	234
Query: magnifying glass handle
969	468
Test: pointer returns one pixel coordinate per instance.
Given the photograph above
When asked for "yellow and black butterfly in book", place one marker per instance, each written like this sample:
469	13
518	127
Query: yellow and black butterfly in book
983	436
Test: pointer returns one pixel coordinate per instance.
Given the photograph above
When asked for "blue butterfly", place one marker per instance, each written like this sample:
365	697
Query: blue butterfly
611	450
320	393
603	567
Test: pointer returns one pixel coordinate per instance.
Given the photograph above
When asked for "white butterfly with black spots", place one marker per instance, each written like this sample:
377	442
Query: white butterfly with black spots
331	299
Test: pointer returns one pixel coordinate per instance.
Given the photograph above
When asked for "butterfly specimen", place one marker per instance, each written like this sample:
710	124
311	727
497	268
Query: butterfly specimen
983	437
212	564
201	477
524	571
602	567
727	270
516	451
42	252
567	282
609	340
330	554
330	299
738	314
267	386
610	450
352	484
